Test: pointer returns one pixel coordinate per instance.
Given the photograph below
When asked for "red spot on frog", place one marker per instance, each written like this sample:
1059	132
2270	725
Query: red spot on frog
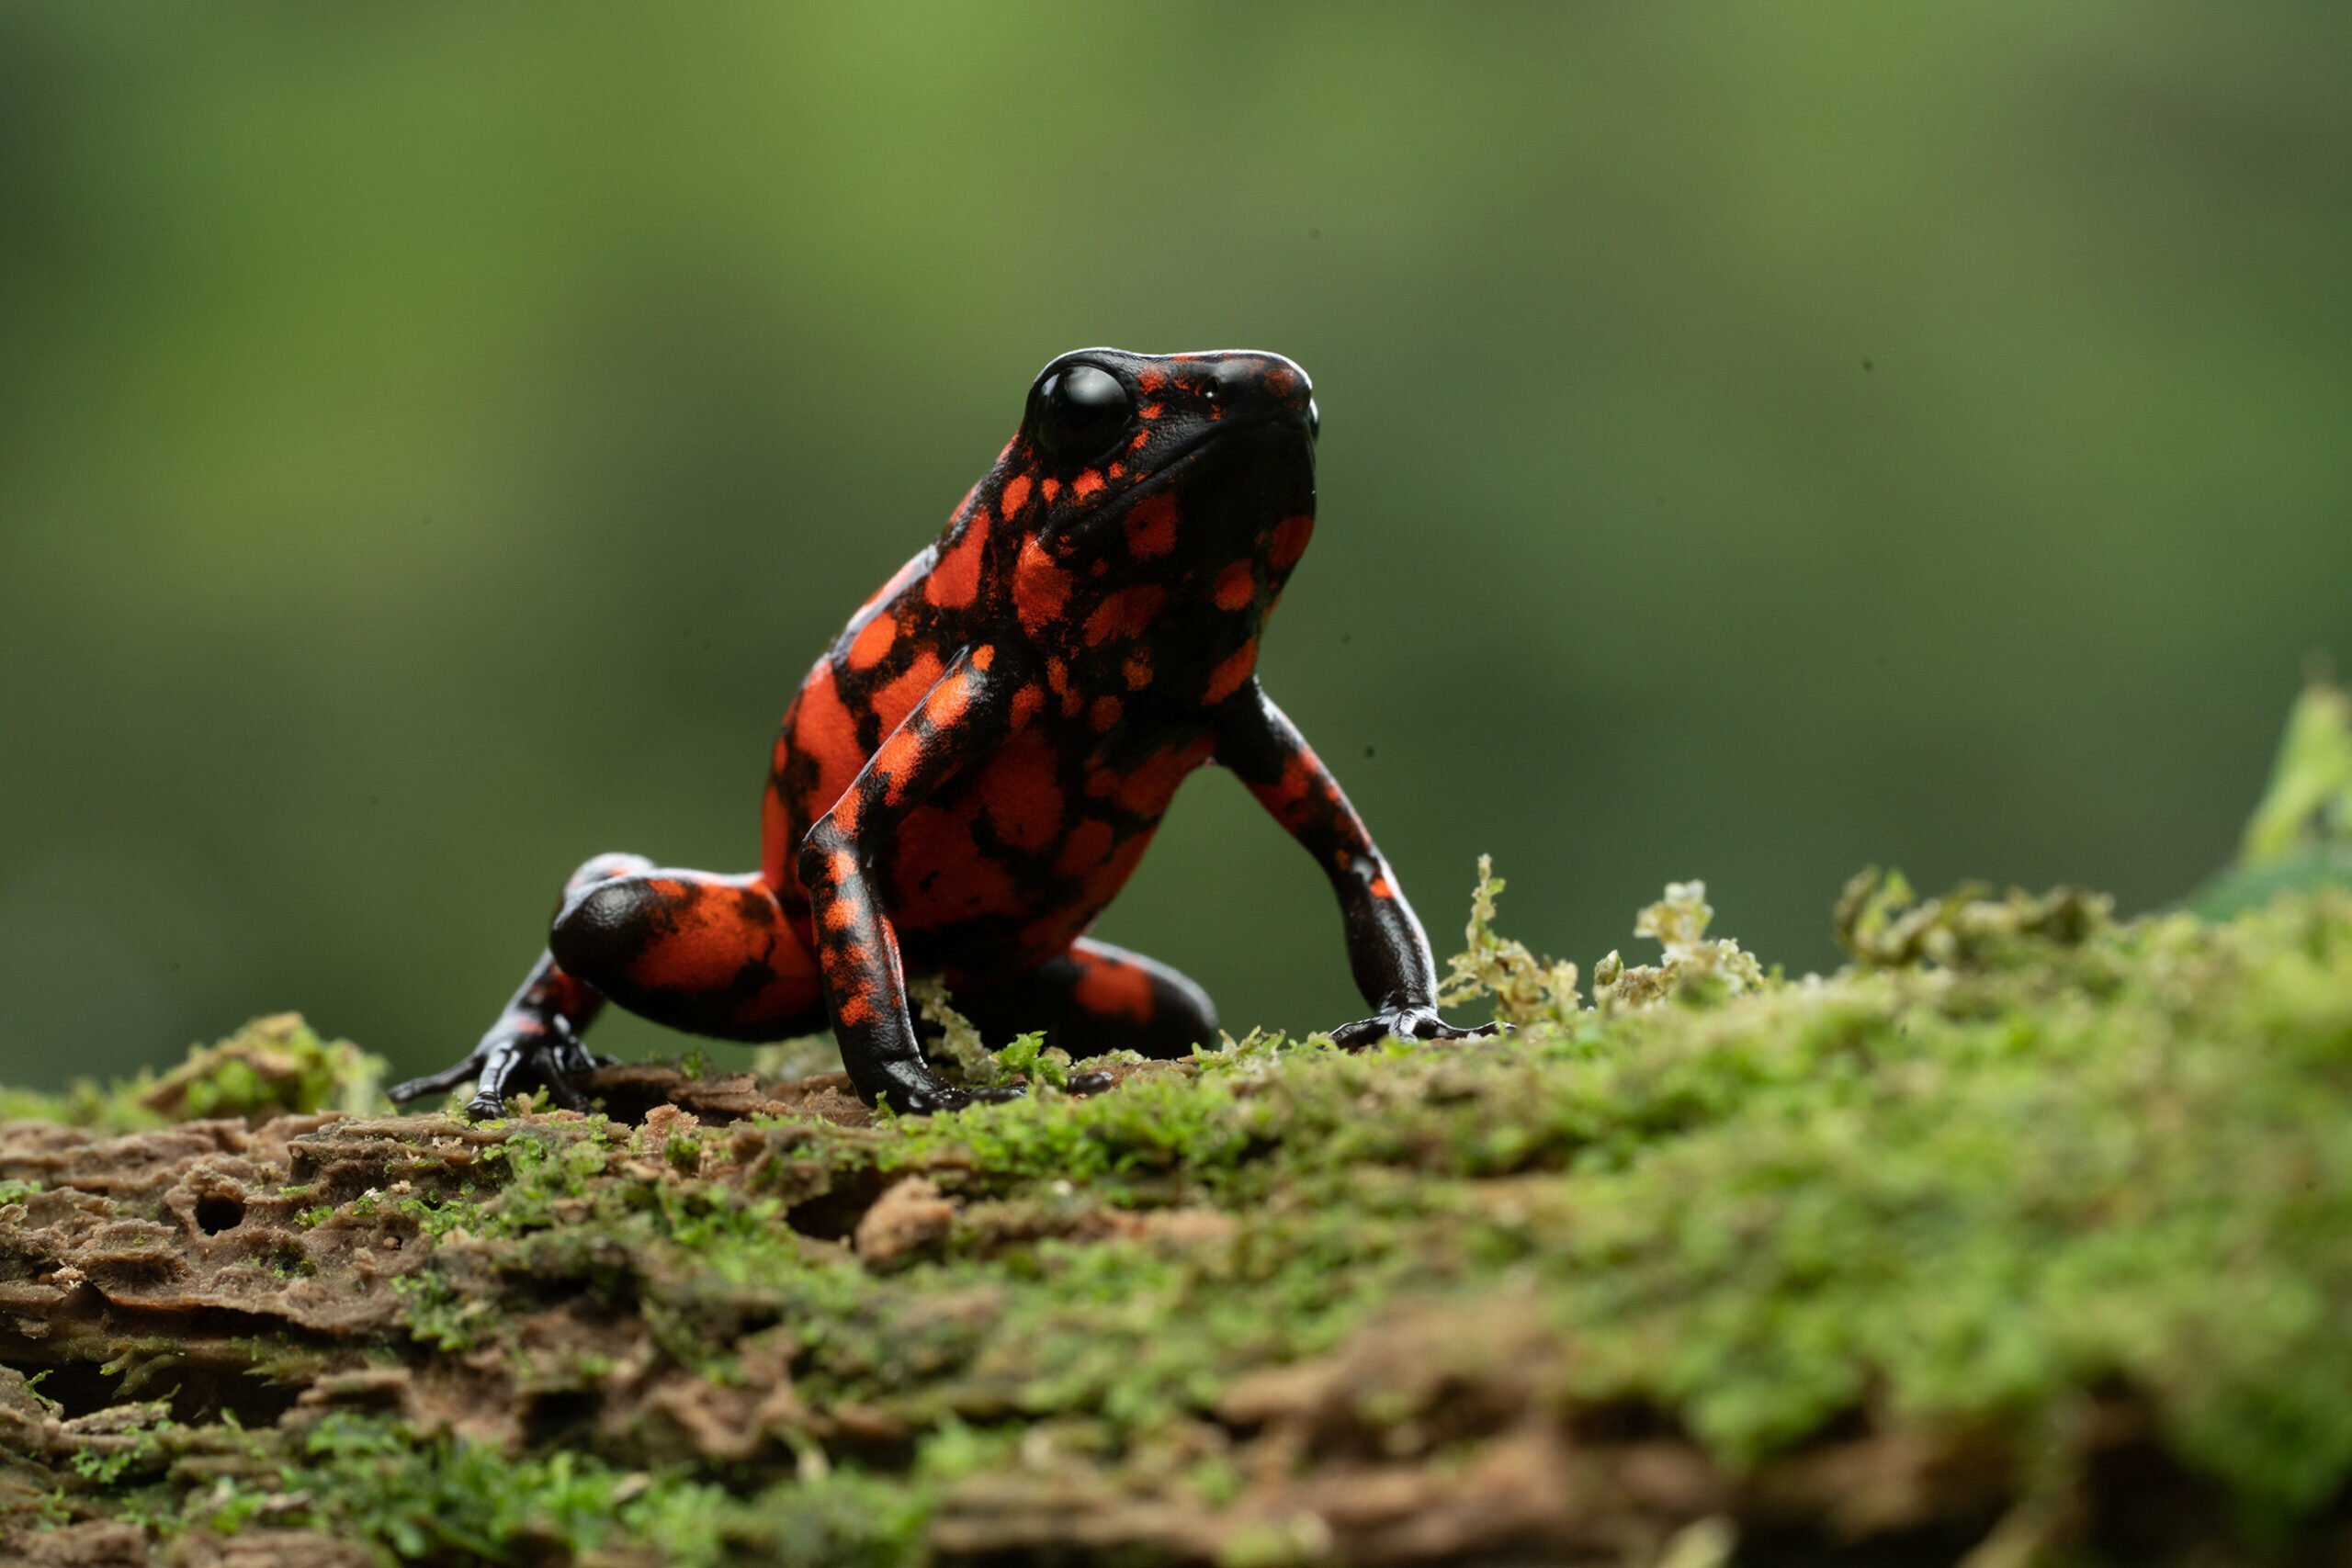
1026	703
1127	613
1234	668
871	643
1110	987
1017	789
1015	497
1085	849
821	728
1290	539
1040	588
1152	526
956	576
897	698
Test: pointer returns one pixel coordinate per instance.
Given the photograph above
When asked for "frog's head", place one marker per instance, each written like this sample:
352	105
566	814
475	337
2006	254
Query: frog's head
1126	418
1187	476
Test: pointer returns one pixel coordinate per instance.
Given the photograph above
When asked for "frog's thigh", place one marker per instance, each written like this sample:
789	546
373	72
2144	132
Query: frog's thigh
1096	998
695	951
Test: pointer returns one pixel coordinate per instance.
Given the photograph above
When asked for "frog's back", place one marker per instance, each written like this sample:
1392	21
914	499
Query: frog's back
1013	858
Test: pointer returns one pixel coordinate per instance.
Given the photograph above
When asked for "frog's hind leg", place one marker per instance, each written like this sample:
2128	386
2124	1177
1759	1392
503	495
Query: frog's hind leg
1093	998
707	954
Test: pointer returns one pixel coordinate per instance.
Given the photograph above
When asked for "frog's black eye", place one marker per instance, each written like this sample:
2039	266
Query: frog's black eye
1081	414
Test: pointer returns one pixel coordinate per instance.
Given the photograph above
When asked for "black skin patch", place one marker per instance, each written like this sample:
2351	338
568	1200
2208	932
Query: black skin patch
974	768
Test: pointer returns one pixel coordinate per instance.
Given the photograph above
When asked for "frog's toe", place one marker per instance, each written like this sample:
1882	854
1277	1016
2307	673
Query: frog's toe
505	1064
441	1082
1404	1023
929	1098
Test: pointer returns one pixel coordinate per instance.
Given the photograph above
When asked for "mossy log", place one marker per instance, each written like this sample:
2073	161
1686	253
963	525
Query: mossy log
2026	1237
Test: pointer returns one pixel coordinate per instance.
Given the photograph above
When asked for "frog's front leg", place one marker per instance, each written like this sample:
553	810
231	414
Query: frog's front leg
1387	951
964	715
537	1037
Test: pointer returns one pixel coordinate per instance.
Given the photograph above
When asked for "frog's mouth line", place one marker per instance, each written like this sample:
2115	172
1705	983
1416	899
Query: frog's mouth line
1174	467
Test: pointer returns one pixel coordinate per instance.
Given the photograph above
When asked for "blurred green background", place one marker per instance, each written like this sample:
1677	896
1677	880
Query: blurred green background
1758	441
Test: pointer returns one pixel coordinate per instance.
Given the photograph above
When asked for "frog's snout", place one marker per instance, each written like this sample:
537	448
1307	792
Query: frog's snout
1268	386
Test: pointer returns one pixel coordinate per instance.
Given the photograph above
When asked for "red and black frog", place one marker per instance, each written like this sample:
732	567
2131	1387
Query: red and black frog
976	765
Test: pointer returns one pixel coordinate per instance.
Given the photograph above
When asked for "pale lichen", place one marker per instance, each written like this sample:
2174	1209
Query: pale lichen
957	1045
1884	924
1526	989
1694	965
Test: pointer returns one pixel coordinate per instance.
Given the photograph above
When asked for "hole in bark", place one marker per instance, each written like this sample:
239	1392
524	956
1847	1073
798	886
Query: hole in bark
831	1215
200	1391
78	1387
216	1212
556	1413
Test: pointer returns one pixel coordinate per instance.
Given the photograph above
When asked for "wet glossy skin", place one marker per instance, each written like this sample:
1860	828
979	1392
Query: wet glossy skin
974	767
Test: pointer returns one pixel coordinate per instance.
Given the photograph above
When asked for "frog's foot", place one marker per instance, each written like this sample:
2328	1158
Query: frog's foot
1403	1023
915	1090
514	1056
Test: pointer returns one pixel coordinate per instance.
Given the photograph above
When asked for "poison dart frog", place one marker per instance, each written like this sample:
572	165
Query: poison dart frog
976	765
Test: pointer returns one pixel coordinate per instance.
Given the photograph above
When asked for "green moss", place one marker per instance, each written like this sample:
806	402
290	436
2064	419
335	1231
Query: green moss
2023	1153
1024	1059
2075	1153
2019	1160
1983	1200
429	1497
272	1067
